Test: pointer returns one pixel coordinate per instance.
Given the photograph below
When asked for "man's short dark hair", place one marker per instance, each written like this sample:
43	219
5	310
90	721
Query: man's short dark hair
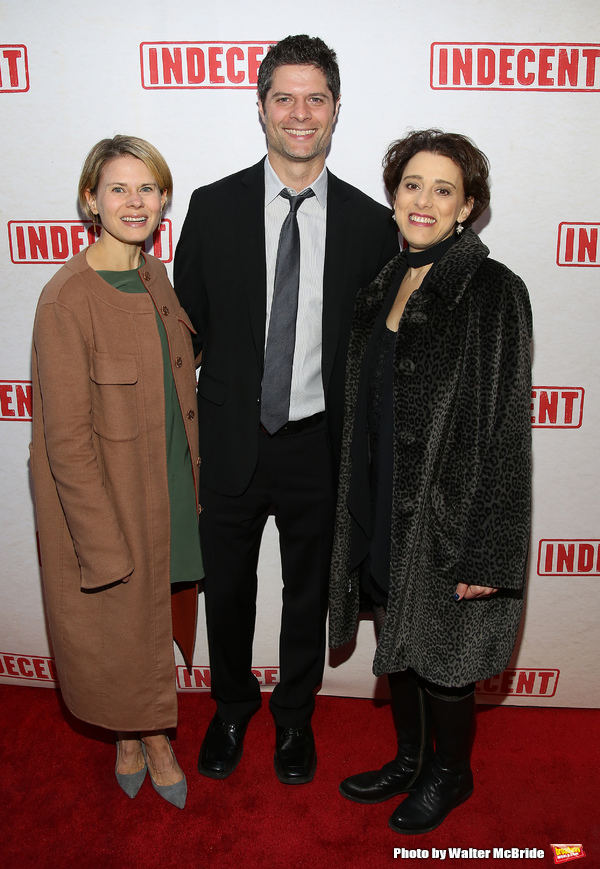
300	50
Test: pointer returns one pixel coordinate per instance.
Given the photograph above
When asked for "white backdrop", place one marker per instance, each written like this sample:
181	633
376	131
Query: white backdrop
521	77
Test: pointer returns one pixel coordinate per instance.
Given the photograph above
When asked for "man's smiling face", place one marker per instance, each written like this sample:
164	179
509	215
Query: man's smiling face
298	114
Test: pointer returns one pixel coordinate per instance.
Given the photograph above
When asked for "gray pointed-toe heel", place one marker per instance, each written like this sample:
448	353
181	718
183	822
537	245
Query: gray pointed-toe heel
131	782
175	794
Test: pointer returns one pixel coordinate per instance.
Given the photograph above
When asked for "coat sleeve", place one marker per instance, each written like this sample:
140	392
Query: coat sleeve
63	369
187	274
497	518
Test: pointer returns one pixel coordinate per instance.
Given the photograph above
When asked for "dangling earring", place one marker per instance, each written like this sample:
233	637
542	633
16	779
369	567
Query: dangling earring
459	229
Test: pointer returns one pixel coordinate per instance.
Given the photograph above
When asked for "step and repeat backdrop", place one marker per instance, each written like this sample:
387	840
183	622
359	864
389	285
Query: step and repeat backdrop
522	78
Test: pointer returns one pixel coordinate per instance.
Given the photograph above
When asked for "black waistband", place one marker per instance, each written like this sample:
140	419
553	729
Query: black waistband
295	426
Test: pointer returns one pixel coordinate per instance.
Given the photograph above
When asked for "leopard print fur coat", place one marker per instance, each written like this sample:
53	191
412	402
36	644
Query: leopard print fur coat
462	468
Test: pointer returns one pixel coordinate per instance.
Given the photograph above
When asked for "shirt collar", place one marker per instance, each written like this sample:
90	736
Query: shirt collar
273	185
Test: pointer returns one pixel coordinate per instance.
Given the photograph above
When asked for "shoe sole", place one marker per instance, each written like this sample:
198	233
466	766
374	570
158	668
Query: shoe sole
374	802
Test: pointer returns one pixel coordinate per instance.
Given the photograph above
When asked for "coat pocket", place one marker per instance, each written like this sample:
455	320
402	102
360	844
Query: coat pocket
445	528
183	317
114	396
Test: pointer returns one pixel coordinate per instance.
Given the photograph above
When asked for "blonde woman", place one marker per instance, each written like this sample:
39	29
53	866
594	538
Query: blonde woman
114	461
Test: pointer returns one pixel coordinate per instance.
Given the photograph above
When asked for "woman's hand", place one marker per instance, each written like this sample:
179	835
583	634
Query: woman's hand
470	592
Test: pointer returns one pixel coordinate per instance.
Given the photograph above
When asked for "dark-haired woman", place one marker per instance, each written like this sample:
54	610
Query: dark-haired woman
114	462
434	502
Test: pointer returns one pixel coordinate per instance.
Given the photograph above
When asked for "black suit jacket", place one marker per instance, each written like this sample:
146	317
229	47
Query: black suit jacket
220	278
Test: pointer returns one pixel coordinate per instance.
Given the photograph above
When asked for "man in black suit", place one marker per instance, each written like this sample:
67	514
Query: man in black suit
230	249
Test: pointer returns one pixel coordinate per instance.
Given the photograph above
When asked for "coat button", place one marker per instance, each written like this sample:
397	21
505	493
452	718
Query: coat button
200	508
165	310
407	366
191	414
198	461
146	275
178	362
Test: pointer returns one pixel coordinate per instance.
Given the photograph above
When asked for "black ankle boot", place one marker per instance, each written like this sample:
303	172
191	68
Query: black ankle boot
400	775
447	781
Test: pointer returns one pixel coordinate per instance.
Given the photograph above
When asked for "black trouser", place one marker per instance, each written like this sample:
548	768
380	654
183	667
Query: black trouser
292	482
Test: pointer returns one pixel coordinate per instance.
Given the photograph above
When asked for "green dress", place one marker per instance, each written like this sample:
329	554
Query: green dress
186	557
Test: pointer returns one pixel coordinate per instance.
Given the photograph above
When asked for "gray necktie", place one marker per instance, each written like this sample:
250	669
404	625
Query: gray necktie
281	340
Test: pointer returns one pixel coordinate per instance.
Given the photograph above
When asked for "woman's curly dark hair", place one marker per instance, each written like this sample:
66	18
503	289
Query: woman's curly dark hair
472	162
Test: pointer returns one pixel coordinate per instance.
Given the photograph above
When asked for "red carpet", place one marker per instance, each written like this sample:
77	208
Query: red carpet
536	773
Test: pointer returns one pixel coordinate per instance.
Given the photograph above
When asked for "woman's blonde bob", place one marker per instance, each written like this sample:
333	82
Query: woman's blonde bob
122	146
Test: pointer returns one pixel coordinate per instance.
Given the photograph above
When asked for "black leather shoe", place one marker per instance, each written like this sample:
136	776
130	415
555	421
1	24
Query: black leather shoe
222	748
440	790
295	755
394	778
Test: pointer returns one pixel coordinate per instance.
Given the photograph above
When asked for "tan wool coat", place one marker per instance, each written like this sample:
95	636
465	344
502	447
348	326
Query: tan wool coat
101	491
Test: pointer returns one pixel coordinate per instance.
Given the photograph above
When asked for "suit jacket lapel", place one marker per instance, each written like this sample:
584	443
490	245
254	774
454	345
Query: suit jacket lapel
334	276
249	217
